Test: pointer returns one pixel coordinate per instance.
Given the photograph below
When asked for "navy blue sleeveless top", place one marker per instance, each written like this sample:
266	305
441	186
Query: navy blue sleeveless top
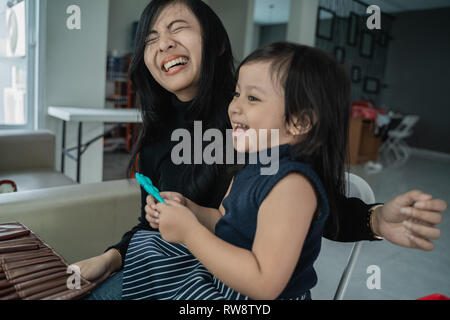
249	189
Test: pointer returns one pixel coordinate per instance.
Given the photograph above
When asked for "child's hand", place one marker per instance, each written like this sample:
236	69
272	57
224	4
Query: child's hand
175	221
152	215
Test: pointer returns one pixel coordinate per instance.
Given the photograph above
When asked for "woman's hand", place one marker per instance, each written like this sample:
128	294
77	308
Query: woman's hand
410	220
176	221
99	268
152	215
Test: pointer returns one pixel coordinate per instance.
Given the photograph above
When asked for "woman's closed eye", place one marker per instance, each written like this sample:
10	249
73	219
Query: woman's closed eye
154	39
174	30
151	40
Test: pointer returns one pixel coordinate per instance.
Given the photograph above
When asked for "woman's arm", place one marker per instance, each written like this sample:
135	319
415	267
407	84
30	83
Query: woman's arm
408	220
98	268
352	221
264	271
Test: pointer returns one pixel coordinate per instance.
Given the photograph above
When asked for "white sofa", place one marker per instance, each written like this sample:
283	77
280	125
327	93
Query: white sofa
27	157
78	221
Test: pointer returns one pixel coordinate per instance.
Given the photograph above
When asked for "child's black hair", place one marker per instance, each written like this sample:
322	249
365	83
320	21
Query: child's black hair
317	93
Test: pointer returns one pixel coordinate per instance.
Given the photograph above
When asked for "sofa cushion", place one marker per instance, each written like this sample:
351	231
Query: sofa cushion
32	179
25	149
79	221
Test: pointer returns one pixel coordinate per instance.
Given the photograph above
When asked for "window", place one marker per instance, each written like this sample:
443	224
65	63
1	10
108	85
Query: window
17	63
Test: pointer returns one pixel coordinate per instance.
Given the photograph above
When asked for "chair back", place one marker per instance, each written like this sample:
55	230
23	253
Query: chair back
407	123
356	187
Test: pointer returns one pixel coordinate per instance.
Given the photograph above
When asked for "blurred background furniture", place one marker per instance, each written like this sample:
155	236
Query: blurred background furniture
395	143
363	144
81	115
120	94
28	158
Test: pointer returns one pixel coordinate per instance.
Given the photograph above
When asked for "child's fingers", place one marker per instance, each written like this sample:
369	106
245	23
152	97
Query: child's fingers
154	225
170	196
151	202
154	222
173	203
151	215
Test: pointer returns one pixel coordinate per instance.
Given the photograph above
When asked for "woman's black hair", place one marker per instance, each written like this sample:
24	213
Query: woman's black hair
317	93
214	93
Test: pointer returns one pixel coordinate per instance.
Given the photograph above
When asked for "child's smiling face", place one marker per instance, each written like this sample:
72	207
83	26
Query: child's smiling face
258	104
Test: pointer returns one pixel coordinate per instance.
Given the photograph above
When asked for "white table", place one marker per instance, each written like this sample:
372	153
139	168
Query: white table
95	114
80	115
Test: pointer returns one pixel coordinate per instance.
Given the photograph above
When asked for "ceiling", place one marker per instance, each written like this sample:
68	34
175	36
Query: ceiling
277	11
393	6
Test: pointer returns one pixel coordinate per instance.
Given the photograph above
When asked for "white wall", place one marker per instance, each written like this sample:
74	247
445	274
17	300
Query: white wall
302	22
73	73
238	18
122	14
235	14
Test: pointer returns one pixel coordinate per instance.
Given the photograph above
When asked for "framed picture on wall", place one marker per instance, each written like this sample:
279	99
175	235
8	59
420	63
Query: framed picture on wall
339	54
326	20
356	74
372	85
352	29
383	38
367	45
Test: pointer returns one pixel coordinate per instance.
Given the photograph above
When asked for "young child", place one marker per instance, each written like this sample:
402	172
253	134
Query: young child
263	240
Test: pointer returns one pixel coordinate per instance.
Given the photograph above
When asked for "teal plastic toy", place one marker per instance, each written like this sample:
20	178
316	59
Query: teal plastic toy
147	184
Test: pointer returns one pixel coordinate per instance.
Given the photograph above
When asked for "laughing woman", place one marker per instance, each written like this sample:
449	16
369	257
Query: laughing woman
183	71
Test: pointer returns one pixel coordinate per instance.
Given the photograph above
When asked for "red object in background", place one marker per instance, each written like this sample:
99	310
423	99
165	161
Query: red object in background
366	110
365	104
359	111
382	111
133	174
12	185
435	296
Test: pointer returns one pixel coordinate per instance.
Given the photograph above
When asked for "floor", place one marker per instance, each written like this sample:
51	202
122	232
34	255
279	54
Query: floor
404	273
115	165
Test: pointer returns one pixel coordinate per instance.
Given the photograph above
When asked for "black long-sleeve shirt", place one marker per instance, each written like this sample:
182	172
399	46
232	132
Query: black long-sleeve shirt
155	162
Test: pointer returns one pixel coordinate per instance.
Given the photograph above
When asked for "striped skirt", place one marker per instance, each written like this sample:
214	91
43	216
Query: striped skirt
159	270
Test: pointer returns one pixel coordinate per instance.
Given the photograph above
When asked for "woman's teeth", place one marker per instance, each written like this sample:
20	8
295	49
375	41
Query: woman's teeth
175	62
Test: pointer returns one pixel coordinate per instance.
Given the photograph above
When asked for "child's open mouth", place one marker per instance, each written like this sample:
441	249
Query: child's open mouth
174	64
239	129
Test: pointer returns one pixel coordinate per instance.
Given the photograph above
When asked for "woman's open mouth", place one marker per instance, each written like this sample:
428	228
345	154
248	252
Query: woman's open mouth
239	129
174	64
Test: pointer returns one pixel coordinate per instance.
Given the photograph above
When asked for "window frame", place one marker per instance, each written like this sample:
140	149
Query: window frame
31	38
